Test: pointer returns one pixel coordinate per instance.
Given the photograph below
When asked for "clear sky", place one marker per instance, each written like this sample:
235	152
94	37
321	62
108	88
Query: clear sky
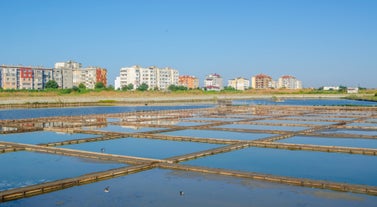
321	42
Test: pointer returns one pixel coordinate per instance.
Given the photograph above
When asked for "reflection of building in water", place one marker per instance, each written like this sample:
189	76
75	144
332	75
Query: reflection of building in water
96	122
131	127
6	129
150	119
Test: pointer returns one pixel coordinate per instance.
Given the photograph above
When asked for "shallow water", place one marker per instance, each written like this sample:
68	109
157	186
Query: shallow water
41	137
338	167
350	142
218	134
129	129
29	168
160	188
306	102
261	127
148	148
76	111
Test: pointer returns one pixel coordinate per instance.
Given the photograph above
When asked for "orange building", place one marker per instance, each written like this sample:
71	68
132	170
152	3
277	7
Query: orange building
261	81
190	82
101	76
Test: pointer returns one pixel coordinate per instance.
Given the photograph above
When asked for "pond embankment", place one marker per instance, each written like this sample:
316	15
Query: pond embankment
108	100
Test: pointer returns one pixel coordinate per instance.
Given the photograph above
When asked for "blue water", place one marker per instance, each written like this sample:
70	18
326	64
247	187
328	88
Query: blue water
218	134
149	148
76	111
160	188
350	131
20	169
261	127
338	167
295	122
41	137
363	143
125	129
306	102
363	125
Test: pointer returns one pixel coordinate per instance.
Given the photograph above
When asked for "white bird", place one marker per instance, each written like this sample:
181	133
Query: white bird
107	189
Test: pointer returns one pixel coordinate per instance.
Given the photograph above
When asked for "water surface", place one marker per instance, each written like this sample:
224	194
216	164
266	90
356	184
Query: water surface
338	167
160	188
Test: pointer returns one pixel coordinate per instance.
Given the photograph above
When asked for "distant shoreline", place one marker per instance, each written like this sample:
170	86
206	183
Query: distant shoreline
101	100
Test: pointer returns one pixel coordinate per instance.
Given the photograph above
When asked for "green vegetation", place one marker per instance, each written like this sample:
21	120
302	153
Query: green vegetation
177	88
51	84
128	87
99	85
142	87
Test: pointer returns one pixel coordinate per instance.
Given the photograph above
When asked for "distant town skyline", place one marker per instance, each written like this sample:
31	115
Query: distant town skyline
322	43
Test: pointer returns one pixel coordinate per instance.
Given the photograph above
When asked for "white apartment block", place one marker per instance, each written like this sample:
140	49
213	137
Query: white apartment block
289	82
154	77
239	83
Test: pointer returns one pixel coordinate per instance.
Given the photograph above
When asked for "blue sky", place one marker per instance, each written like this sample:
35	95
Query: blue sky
321	42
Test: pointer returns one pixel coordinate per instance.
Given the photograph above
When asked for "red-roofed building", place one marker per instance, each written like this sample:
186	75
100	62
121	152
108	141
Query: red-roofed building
261	81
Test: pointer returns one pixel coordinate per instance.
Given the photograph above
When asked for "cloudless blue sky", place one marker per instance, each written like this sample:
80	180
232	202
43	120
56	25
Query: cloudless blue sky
321	42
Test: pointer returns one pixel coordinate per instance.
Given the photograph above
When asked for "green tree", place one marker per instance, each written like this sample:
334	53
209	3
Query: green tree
177	88
51	84
229	88
142	87
128	87
99	85
342	89
75	88
82	86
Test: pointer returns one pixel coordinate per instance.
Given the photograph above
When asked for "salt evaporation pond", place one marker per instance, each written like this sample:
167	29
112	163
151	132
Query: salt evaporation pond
140	147
28	168
350	131
160	188
41	137
77	111
261	127
126	129
218	134
345	142
338	167
306	102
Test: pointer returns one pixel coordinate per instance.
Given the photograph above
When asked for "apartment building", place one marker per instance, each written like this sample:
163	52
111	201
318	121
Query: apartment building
289	82
63	73
22	77
66	74
9	77
89	76
166	77
239	83
261	81
213	82
154	77
190	82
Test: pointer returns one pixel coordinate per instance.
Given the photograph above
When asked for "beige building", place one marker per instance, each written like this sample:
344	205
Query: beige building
261	81
239	83
289	82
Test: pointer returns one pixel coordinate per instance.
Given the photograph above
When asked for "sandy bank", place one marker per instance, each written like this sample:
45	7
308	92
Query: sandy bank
163	99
